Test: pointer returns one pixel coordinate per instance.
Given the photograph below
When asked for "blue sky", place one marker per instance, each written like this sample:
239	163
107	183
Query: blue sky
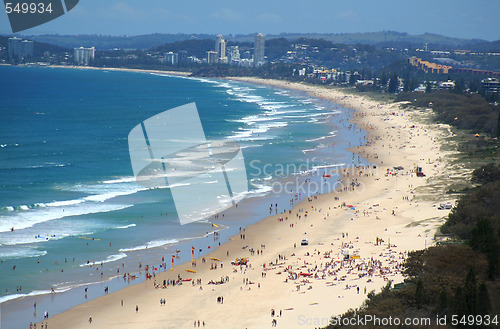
455	18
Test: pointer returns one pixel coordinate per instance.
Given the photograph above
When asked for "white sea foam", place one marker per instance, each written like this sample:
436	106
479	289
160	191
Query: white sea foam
329	166
259	191
319	138
110	195
125	226
64	203
129	179
150	244
20	252
26	219
4	299
109	259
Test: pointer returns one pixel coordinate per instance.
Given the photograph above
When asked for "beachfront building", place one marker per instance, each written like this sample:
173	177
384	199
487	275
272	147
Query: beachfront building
491	85
246	62
19	48
259	49
220	48
212	57
427	66
171	58
182	56
83	56
446	85
234	55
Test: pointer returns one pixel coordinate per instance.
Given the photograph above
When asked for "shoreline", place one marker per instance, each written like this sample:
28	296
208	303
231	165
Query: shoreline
116	69
50	302
326	236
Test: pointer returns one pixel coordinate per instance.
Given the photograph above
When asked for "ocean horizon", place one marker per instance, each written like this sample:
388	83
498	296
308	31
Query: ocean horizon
72	214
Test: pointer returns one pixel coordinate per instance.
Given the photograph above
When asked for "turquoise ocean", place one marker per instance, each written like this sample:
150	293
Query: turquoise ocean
68	197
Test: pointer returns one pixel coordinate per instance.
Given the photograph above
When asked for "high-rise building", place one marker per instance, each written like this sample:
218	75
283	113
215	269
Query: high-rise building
171	58
212	57
83	56
234	55
19	48
183	55
220	48
259	47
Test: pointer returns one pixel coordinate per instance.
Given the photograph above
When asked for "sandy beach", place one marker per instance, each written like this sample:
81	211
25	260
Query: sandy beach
180	73
358	237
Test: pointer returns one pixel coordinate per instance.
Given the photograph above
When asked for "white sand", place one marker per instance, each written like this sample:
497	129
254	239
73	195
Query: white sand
305	302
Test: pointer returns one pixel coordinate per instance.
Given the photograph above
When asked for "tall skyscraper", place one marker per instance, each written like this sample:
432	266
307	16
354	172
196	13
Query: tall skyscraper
83	56
220	48
19	48
259	47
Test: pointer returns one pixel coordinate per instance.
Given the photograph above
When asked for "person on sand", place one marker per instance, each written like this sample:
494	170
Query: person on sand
90	319
137	308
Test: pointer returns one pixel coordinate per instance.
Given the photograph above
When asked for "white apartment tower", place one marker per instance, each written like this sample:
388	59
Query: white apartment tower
83	56
259	46
220	48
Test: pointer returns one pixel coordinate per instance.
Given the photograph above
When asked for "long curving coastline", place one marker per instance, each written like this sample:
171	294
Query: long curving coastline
389	218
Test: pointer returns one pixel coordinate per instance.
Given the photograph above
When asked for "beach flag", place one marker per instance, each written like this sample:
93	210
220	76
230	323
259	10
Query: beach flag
171	268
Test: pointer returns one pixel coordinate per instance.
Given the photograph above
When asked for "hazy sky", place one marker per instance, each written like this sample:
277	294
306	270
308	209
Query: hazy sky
455	18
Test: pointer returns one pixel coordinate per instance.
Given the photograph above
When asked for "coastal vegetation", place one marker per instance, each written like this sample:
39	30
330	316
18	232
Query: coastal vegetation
464	111
459	277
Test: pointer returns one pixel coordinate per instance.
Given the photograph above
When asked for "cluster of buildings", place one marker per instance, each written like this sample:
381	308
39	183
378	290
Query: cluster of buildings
231	55
491	85
19	48
430	67
427	66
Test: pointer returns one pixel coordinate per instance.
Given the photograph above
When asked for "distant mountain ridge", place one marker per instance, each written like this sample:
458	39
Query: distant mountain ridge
381	39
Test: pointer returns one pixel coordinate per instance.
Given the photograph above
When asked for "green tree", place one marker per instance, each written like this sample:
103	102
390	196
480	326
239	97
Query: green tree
407	83
486	174
383	80
428	88
498	125
470	292
443	302
459	86
460	305
484	303
393	84
420	294
485	239
474	86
